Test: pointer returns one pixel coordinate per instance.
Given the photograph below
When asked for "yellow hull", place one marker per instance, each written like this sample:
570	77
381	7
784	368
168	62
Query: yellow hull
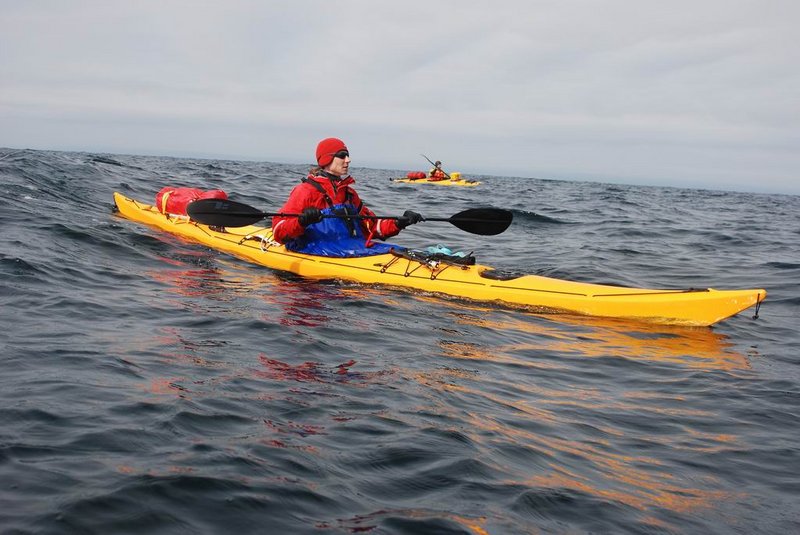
253	243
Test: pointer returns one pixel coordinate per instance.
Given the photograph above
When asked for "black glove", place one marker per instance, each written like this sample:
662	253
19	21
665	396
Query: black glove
409	218
310	216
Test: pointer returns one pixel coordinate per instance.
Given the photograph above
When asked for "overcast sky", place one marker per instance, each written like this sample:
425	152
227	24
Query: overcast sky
700	93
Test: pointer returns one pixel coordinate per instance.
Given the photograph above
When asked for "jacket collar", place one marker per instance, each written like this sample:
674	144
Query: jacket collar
333	179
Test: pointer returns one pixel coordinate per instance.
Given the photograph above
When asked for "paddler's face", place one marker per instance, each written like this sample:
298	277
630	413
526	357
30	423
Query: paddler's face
340	164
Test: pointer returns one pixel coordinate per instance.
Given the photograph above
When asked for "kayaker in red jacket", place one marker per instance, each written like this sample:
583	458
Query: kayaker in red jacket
437	173
326	191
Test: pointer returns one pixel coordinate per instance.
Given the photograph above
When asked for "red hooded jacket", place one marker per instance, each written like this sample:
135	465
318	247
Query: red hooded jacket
305	195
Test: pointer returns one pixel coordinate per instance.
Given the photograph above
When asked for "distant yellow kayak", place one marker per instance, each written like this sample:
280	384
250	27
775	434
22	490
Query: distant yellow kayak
452	276
419	177
445	182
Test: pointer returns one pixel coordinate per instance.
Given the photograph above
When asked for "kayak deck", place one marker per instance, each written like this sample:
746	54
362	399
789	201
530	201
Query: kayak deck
695	307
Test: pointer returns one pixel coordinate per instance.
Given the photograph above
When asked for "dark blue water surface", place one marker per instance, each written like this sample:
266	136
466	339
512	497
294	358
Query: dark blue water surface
150	385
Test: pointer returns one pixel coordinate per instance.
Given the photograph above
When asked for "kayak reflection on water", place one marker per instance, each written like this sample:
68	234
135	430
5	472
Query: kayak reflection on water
588	336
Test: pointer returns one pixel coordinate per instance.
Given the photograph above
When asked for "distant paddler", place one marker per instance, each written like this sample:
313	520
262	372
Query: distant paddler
436	173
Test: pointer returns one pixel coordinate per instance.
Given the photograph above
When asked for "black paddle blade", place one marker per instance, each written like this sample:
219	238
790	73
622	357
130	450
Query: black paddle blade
223	213
483	221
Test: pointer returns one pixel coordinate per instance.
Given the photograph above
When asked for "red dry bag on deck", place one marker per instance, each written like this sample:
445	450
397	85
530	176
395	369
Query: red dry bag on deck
415	175
174	200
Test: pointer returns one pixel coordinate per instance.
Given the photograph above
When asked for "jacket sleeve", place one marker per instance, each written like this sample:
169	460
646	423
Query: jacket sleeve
288	228
377	228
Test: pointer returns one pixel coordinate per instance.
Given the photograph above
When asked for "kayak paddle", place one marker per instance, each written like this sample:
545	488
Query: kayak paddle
226	213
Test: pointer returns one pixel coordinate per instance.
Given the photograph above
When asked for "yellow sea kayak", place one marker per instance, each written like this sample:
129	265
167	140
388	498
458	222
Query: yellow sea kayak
415	270
445	182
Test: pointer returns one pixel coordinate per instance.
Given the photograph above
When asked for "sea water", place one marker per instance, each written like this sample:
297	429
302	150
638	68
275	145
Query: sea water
152	385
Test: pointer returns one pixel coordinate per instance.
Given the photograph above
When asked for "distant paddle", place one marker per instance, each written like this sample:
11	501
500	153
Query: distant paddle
226	213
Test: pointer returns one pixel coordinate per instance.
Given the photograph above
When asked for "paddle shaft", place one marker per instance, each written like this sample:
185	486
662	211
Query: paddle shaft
264	215
226	213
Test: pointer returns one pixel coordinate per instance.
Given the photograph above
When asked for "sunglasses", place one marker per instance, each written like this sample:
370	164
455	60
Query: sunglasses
341	154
